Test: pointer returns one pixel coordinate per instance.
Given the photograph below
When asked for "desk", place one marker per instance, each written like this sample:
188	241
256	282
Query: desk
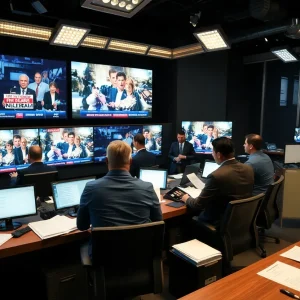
31	242
246	284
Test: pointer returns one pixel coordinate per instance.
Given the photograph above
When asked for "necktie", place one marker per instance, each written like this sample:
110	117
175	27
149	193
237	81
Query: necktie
37	90
23	91
180	148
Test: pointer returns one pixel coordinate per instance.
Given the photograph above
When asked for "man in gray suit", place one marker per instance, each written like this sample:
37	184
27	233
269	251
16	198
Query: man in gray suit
117	198
231	181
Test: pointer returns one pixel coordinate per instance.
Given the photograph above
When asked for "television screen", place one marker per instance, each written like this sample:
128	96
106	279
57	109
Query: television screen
66	146
103	91
14	145
153	138
297	135
201	134
32	88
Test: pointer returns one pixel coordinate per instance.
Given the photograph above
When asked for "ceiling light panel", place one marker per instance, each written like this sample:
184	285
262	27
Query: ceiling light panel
94	41
128	47
124	8
187	50
285	55
160	52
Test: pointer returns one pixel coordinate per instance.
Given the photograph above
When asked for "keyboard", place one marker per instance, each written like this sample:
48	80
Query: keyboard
19	232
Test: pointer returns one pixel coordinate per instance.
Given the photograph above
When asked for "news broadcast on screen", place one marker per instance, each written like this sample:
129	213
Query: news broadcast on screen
201	133
106	91
32	88
67	146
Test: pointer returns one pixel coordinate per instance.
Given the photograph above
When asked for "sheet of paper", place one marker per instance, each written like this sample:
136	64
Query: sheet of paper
293	253
49	201
283	274
4	238
195	181
191	191
176	176
157	192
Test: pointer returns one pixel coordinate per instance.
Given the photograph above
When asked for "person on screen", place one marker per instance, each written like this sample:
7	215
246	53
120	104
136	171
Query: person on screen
119	93
79	150
45	78
7	158
40	89
21	153
149	140
117	198
17	141
260	162
68	148
143	158
64	137
105	89
132	101
128	138
54	153
23	89
206	141
96	101
51	98
195	142
181	153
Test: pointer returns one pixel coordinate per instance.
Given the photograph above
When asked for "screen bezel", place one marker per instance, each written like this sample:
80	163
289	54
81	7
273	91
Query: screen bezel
157	170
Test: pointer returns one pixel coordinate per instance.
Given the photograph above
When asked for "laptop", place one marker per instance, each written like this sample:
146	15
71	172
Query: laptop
209	167
158	177
189	169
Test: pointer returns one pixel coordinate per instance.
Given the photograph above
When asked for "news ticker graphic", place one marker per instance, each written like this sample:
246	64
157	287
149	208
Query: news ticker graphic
72	161
115	114
14	101
33	114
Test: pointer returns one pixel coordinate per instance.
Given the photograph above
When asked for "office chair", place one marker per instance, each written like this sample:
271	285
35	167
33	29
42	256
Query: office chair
127	260
237	231
269	212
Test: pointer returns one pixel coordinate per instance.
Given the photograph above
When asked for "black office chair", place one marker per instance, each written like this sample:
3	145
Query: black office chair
237	231
269	212
127	260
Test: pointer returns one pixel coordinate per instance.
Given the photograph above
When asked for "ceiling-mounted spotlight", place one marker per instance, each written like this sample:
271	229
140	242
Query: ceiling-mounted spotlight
194	19
286	54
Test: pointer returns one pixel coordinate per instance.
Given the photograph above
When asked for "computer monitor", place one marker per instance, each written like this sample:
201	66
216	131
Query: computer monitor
189	169
292	154
158	177
41	182
16	202
66	194
209	167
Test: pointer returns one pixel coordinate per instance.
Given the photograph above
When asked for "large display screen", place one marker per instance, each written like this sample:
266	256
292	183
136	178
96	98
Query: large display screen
32	88
67	146
103	91
103	135
297	135
14	145
201	133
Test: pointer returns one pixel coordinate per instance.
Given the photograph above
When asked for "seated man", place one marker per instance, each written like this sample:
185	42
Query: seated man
231	181
143	158
117	198
181	153
260	162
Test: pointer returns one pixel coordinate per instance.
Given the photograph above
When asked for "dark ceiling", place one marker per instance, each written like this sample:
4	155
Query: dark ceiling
166	22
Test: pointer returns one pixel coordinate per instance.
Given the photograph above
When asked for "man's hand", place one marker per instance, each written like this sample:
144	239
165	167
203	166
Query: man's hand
185	197
13	174
111	104
42	103
182	156
177	159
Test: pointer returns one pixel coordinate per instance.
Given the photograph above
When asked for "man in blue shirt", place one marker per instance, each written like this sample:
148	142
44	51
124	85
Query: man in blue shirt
260	162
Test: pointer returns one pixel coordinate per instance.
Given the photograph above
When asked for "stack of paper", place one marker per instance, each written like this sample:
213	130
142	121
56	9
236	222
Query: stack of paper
4	238
197	252
293	253
58	225
176	176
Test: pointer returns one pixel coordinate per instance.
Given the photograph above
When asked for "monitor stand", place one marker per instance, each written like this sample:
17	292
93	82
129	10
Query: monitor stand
8	225
73	211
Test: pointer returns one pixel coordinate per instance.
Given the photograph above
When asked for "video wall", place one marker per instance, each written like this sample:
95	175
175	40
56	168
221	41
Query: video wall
201	133
32	88
71	145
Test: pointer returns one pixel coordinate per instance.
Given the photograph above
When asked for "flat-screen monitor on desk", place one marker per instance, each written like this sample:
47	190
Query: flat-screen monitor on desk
209	167
158	177
292	154
66	194
16	202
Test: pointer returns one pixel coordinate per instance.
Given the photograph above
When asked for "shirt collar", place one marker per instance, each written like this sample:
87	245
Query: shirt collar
227	160
140	150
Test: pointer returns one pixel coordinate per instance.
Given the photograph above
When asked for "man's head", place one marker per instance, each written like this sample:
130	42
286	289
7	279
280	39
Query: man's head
181	137
23	81
23	143
35	154
204	129
113	77
253	143
65	134
71	137
210	130
118	156
37	78
223	149
139	141
121	80
146	133
17	141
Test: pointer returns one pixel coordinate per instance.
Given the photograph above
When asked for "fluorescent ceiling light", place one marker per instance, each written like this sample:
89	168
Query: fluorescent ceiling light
128	47
212	39
94	41
69	34
285	54
160	52
187	50
123	8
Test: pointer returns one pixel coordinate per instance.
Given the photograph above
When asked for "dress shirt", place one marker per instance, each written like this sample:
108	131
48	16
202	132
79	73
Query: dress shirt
43	88
118	98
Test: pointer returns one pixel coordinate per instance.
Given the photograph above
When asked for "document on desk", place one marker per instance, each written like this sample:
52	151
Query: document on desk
195	181
283	274
293	253
4	238
176	176
191	191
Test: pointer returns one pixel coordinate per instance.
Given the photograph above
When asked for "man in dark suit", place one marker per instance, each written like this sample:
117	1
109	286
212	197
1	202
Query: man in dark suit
23	89
231	181
21	153
117	198
119	93
143	158
181	153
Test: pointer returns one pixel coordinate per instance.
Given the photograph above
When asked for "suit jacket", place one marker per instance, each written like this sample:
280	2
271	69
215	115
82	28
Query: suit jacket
231	181
48	100
188	151
65	148
28	92
142	159
19	159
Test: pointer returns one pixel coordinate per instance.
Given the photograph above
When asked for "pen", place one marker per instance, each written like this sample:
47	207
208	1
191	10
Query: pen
290	294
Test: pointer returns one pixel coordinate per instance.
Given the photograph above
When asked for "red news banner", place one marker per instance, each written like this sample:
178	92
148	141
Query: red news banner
13	101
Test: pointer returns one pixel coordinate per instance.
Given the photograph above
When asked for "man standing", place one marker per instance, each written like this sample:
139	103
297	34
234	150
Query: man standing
119	93
21	153
68	148
231	181
260	162
181	153
40	89
143	158
117	198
